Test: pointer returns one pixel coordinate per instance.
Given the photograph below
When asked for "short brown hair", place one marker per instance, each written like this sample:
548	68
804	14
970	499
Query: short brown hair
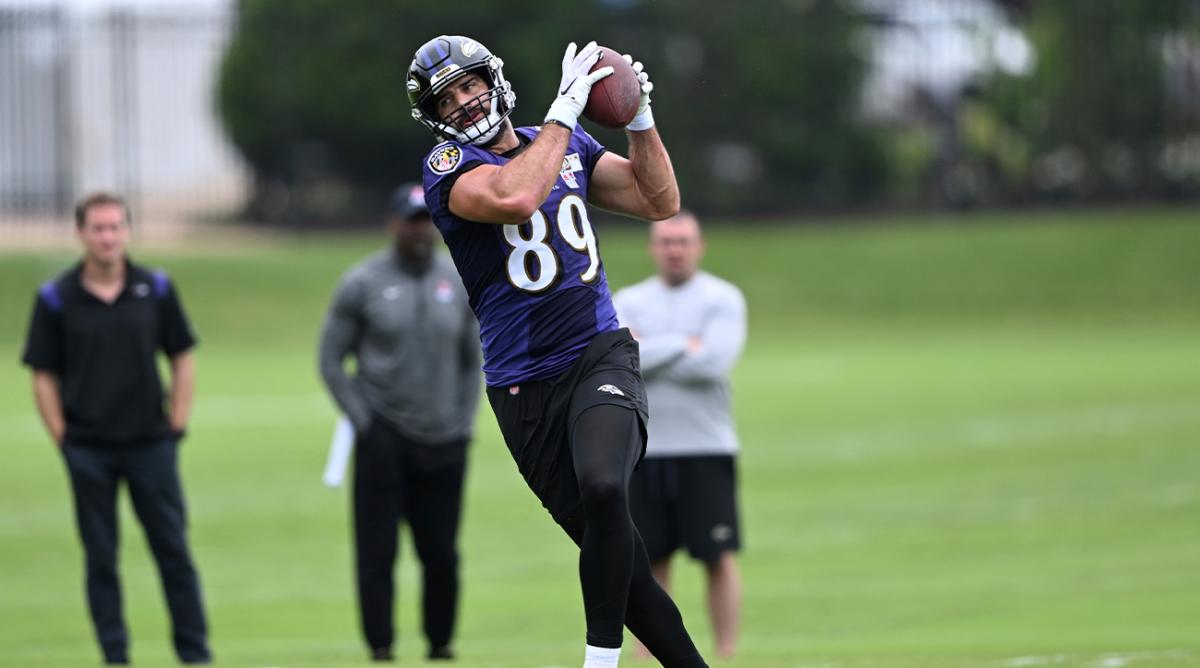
99	199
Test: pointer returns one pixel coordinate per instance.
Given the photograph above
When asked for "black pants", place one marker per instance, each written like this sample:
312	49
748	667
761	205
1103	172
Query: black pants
397	479
576	439
152	475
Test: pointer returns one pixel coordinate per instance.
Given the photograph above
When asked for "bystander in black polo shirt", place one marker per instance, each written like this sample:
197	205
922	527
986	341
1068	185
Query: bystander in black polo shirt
104	355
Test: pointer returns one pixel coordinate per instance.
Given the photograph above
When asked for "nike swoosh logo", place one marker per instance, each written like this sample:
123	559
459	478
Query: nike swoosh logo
568	86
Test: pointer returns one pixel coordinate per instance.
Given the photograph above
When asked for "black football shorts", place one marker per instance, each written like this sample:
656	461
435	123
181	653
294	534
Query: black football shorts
687	501
536	418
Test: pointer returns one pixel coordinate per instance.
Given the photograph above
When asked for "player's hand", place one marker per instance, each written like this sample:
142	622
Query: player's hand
643	119
576	83
644	83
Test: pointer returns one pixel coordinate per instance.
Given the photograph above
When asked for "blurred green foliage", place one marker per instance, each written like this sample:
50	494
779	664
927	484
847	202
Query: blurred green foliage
760	103
755	100
1091	119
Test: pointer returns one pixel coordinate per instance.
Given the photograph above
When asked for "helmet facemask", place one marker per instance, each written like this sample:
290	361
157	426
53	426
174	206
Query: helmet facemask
494	105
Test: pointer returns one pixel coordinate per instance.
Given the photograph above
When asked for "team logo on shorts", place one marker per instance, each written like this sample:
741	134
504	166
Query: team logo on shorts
722	533
445	159
611	389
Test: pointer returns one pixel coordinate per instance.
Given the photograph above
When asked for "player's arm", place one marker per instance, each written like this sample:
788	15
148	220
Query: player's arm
183	390
712	354
49	403
509	194
340	335
642	185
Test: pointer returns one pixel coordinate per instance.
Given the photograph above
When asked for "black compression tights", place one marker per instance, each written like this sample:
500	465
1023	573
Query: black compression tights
618	586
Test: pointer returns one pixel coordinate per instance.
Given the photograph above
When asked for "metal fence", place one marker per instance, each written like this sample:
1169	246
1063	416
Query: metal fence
119	100
123	99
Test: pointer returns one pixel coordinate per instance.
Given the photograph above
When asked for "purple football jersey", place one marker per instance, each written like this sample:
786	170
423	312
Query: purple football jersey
538	288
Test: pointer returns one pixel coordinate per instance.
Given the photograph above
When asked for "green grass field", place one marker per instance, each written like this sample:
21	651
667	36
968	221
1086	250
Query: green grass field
967	442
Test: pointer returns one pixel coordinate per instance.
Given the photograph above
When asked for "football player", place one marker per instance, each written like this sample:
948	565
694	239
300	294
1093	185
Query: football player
562	377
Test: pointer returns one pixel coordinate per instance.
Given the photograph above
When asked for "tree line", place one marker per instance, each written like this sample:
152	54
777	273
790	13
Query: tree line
760	103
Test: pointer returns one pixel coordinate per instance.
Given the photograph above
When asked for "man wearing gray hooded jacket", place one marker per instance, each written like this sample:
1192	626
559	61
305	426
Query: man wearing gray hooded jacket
402	314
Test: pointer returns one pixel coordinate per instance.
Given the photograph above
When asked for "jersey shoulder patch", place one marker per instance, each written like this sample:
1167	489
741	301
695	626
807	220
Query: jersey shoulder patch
445	158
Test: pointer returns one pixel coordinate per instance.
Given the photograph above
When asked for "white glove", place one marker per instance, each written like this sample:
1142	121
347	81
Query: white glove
576	84
643	120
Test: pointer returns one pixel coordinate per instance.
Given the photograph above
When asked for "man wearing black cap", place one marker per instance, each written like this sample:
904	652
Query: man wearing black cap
403	315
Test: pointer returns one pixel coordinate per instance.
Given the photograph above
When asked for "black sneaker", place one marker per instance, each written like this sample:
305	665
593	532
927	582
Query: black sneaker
443	653
382	654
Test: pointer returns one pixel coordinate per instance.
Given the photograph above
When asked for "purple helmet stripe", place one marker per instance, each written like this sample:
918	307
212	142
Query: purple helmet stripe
426	58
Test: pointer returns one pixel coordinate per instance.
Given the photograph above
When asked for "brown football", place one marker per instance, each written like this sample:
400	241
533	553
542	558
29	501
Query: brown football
613	101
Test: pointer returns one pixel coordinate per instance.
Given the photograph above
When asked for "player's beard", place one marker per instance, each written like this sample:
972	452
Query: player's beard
505	124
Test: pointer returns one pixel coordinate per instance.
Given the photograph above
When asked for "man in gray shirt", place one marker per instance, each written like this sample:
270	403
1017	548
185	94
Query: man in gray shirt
691	327
402	314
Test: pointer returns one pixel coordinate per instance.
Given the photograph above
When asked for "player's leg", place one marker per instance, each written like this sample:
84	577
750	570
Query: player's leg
433	505
708	518
605	446
654	618
157	494
649	612
94	477
725	602
651	504
377	512
662	573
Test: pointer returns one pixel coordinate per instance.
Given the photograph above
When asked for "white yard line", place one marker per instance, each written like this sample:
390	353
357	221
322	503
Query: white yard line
1105	660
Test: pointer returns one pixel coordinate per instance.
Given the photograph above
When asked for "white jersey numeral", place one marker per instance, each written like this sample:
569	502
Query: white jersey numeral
519	261
533	255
